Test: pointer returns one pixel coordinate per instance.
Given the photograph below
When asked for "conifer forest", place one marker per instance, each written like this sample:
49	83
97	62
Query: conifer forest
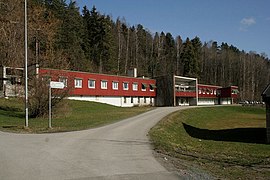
63	36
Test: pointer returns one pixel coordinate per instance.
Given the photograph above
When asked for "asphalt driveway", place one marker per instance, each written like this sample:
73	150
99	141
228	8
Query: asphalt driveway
117	151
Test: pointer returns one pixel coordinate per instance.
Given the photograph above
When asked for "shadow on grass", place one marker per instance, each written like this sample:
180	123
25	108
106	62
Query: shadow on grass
245	135
11	112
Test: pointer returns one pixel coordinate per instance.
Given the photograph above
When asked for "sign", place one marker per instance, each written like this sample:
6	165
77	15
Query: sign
57	85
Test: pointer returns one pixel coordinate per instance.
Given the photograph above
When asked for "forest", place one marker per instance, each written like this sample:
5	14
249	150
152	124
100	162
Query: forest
62	36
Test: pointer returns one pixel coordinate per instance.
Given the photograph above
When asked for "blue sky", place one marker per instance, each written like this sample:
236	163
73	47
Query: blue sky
242	23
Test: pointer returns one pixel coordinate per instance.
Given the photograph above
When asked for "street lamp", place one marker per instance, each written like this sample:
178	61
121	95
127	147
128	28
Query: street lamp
25	65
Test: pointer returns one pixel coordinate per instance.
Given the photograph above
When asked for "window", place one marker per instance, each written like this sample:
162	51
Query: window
203	91
135	86
91	83
144	87
104	84
78	83
152	87
235	91
115	85
131	100
63	80
125	99
144	100
125	86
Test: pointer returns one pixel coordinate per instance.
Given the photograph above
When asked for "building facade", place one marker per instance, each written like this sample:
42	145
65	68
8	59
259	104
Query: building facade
124	91
11	80
120	91
181	91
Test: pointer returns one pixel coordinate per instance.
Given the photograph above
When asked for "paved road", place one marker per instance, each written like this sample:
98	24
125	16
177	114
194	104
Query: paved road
117	151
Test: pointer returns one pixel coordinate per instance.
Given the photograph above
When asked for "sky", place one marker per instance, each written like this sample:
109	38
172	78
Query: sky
241	23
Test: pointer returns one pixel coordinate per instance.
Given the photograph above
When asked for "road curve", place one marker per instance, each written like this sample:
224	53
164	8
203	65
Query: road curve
118	151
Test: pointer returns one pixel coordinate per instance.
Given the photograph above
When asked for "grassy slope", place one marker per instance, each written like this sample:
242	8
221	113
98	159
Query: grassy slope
227	141
77	115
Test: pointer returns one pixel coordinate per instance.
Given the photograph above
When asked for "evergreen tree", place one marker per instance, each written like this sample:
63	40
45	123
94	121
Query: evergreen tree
99	41
170	54
69	37
187	57
196	62
86	35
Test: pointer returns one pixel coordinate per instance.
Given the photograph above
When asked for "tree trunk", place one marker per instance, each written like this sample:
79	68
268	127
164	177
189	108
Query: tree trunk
127	52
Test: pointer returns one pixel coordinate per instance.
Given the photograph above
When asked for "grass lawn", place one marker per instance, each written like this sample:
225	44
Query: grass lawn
227	141
77	115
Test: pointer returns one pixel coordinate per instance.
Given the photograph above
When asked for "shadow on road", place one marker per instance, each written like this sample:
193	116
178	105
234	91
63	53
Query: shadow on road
245	135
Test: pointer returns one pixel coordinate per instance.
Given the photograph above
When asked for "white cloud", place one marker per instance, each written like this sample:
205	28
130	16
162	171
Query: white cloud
243	29
248	21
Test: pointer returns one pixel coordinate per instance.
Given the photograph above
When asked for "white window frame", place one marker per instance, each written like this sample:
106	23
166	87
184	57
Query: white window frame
78	82
151	88
115	85
104	84
63	80
135	86
144	86
89	84
125	88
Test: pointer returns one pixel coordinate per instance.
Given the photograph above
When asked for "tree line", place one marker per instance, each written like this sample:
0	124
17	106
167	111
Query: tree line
62	37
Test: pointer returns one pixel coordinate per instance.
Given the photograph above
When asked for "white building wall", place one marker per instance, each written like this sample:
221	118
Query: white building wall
207	101
117	101
225	101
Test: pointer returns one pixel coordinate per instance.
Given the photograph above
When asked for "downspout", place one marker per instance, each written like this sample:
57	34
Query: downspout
197	96
174	94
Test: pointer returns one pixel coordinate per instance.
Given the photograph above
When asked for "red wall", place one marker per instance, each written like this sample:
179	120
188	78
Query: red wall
85	91
207	91
227	92
185	94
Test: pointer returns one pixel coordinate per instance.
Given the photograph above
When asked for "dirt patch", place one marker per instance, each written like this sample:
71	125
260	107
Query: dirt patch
185	169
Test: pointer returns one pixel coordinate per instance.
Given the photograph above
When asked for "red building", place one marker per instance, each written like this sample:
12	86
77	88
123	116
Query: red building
126	91
186	91
228	94
111	89
208	94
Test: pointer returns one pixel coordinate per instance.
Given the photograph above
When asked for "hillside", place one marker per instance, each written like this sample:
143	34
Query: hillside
60	36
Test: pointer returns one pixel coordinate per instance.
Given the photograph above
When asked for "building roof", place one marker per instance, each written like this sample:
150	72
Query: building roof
111	75
266	92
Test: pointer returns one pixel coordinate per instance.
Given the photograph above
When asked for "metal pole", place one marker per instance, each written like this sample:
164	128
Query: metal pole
197	92
25	66
50	105
268	121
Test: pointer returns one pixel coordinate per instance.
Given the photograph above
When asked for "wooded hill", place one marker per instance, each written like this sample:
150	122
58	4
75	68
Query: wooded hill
60	36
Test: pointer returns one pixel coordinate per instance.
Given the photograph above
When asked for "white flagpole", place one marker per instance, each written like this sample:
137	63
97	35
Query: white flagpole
25	66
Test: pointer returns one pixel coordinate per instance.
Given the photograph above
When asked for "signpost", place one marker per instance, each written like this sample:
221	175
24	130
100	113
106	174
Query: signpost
53	85
266	99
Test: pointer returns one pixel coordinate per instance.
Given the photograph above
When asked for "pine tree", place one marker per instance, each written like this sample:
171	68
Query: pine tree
196	61
187	57
69	37
170	54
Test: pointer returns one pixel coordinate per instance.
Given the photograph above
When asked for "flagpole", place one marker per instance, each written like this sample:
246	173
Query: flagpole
25	66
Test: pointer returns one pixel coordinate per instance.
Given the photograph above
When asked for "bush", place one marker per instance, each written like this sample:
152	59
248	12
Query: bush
39	97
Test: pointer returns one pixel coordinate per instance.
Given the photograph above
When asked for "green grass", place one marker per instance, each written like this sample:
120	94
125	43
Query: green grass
229	142
72	116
